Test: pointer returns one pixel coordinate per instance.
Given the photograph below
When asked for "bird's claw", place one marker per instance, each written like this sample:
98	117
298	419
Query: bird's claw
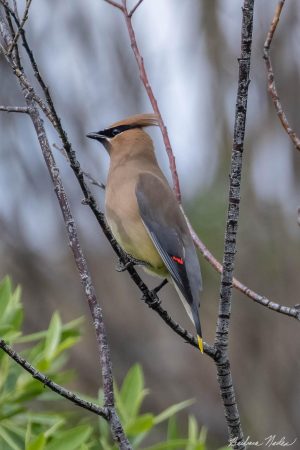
150	297
121	267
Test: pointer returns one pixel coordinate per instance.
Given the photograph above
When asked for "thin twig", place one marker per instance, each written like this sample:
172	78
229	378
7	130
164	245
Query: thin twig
271	81
69	395
258	298
86	174
16	8
135	8
16	37
115	4
16	109
17	68
222	330
145	80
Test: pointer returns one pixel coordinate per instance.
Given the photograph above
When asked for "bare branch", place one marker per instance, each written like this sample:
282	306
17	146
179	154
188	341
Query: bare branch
135	8
222	331
69	395
271	81
258	298
16	67
16	37
114	4
144	78
86	174
16	8
85	277
16	109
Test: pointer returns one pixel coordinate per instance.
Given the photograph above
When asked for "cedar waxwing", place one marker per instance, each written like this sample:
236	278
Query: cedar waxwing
143	213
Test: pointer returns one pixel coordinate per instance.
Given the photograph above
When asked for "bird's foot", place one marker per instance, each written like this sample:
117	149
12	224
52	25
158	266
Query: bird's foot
121	266
151	299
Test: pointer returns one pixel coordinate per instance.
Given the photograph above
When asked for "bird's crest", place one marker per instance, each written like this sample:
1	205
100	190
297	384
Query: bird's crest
138	121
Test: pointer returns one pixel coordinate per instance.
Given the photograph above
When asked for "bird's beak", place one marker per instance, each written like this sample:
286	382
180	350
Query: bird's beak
97	136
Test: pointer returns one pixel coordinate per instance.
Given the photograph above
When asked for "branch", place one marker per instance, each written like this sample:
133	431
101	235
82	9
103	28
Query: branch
69	395
222	331
144	78
16	37
18	72
87	175
96	312
16	109
115	4
258	298
271	81
135	8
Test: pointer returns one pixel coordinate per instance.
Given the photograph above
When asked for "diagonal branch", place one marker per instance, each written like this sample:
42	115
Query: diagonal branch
144	78
80	260
258	298
69	395
135	8
271	81
16	109
115	4
17	35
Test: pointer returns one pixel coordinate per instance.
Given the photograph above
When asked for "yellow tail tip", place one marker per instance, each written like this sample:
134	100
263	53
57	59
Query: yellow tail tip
200	343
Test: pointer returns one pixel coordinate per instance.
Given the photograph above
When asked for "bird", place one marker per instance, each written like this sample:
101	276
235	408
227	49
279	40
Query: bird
143	213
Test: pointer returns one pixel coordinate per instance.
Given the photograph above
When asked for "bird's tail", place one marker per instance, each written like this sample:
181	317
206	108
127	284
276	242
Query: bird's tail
193	315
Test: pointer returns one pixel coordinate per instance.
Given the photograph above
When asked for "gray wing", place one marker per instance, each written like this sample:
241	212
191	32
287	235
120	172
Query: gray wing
168	230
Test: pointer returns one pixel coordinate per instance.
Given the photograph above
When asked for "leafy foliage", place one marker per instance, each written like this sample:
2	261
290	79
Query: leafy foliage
42	425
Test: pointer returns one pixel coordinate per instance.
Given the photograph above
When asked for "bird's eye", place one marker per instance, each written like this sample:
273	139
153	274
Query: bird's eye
115	131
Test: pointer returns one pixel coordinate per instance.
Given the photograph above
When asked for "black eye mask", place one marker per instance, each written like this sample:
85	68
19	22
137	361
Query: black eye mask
112	132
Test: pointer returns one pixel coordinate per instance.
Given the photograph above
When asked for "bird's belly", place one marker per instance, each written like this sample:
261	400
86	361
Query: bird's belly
134	239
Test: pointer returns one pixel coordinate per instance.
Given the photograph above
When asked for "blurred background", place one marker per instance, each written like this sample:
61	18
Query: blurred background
190	50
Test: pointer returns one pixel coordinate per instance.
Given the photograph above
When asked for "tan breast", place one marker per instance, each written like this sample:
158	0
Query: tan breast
123	217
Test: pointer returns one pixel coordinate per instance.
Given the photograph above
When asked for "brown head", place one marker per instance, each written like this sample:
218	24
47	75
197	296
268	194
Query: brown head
127	135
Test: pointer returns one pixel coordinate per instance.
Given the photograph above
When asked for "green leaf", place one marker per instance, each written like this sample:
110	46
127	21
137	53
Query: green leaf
192	429
132	392
67	343
4	369
5	295
172	410
28	434
71	439
5	437
38	443
203	434
53	336
68	330
140	425
172	431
